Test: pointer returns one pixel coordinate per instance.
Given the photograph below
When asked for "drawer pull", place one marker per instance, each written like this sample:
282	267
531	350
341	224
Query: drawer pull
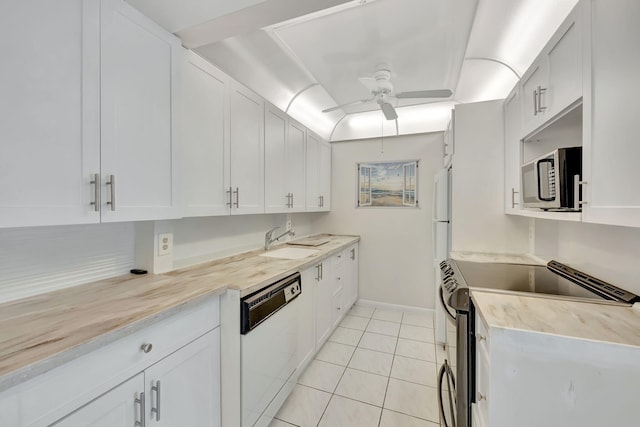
481	397
147	347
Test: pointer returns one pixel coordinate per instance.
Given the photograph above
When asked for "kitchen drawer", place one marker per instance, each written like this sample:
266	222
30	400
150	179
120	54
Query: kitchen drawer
482	335
50	396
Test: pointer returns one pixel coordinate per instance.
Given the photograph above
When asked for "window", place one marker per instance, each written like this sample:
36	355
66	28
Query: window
387	184
364	198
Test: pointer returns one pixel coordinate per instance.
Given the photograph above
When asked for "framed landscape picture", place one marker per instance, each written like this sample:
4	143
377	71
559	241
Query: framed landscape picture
388	184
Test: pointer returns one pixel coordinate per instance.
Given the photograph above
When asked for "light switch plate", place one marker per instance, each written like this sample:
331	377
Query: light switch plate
165	244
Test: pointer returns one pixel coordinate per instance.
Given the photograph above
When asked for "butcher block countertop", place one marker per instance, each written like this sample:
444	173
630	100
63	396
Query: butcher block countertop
42	332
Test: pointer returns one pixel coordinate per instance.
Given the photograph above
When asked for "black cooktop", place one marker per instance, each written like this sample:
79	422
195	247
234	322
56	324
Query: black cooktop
553	279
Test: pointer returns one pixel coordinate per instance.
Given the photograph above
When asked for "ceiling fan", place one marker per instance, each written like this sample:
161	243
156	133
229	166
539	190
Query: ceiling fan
381	90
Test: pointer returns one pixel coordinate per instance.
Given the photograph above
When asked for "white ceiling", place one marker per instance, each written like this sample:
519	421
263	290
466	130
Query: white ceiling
306	56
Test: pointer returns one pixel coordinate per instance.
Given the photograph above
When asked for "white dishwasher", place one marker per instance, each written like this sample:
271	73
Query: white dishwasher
269	329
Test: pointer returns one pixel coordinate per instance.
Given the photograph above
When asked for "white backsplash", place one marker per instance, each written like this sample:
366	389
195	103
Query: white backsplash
34	260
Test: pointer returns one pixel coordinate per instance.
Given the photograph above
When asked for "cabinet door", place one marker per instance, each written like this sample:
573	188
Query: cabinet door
324	302
295	165
116	408
275	164
183	389
306	316
139	88
611	150
246	115
565	65
351	277
204	129
535	79
325	176
49	114
313	173
512	154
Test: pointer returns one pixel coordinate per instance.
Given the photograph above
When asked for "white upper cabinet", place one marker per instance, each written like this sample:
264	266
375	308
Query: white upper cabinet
512	154
277	198
554	81
140	63
246	148
89	94
318	174
49	114
204	132
284	141
295	165
313	172
610	149
325	176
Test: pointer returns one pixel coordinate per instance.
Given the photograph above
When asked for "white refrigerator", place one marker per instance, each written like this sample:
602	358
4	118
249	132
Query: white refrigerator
441	242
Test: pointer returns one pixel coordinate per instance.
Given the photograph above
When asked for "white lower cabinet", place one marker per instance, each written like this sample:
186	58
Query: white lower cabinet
181	389
119	407
167	373
306	316
184	388
325	289
336	290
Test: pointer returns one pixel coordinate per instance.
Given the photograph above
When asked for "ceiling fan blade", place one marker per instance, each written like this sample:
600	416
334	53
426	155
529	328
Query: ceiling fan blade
441	93
370	83
388	111
337	107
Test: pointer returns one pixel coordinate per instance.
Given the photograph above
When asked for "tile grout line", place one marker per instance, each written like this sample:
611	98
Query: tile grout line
343	372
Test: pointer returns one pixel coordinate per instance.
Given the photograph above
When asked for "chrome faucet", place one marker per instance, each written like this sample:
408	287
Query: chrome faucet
268	240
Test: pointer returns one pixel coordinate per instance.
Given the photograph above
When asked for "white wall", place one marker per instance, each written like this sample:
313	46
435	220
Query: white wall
478	220
201	239
608	252
395	247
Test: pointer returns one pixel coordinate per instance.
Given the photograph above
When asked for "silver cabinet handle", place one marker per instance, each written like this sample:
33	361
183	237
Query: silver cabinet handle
140	402
535	102
576	192
321	271
156	409
95	181
237	193
318	272
541	90
146	347
112	185
291	200
353	254
229	196
513	199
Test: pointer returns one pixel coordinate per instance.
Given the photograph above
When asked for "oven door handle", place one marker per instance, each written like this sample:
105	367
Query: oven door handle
451	384
444	305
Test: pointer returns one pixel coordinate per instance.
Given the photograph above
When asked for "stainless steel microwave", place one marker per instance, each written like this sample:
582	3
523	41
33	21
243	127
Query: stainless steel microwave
551	182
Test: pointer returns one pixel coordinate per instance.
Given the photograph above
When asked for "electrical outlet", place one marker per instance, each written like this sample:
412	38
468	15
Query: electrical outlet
165	244
288	226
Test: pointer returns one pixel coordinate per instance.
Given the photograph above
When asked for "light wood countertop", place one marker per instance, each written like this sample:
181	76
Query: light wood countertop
608	323
42	332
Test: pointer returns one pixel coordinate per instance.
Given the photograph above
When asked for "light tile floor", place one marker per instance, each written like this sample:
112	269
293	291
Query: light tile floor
378	369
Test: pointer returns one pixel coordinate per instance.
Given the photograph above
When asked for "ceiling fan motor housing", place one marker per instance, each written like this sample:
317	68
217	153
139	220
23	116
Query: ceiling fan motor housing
383	78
